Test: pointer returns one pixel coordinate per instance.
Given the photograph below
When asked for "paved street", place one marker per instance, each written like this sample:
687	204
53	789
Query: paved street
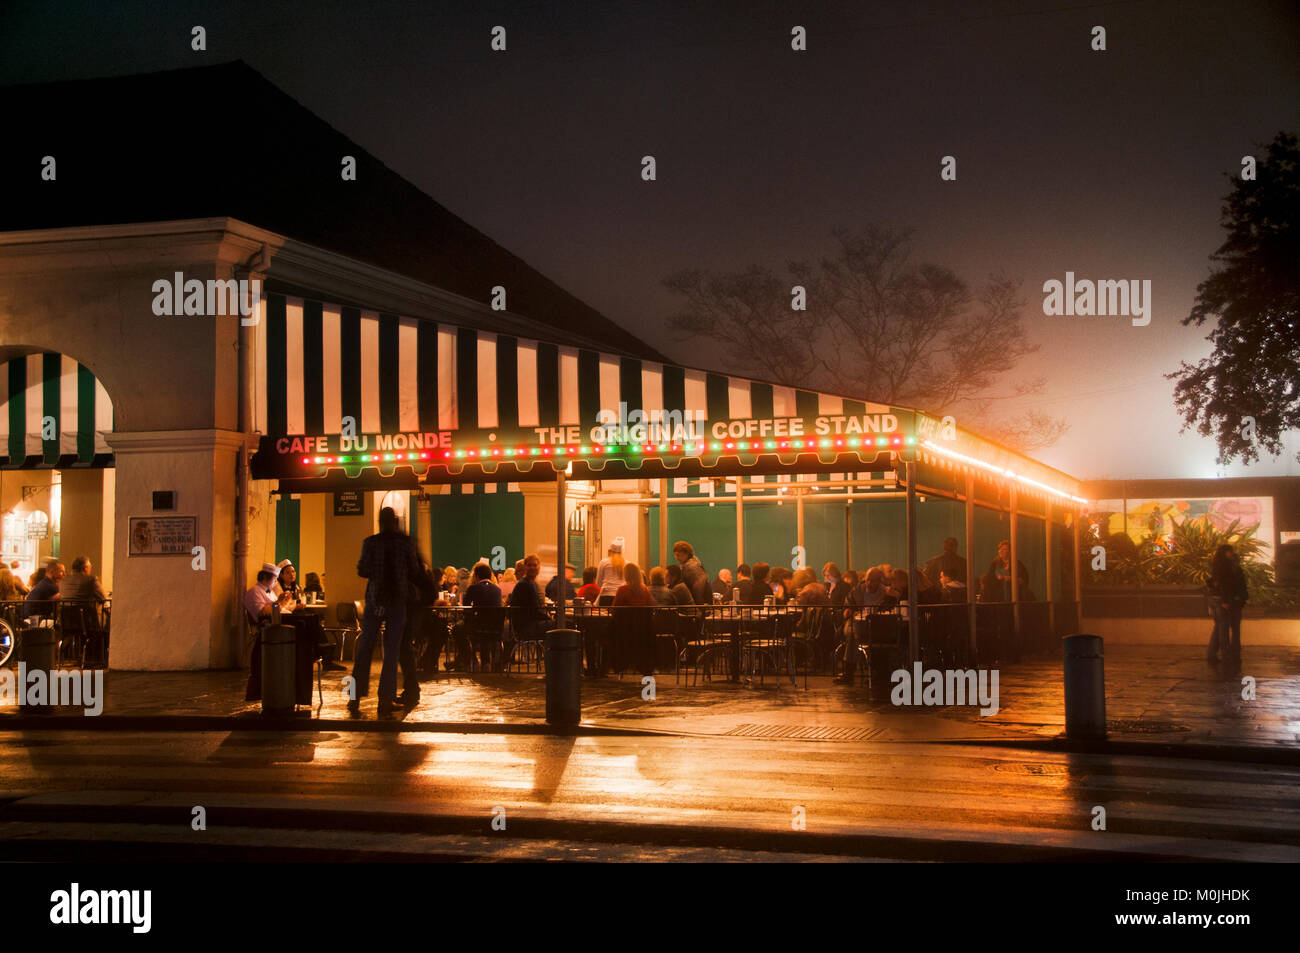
1154	694
432	796
708	771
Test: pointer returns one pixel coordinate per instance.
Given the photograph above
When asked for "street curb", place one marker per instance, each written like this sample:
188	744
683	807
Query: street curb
1277	756
303	723
839	842
1244	754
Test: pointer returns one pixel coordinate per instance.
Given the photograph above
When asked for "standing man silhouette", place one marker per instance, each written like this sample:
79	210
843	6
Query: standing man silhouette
390	565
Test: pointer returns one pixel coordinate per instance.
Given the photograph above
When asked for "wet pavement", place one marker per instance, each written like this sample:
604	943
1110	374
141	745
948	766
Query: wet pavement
337	795
1166	695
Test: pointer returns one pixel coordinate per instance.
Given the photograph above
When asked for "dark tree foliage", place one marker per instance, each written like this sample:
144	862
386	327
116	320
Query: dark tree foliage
1253	294
877	326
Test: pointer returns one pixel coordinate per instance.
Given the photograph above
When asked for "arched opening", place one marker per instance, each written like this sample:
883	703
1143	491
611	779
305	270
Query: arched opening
56	466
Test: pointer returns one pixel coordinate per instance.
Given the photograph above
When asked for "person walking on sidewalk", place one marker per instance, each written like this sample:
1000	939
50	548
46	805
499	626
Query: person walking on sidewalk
389	565
1228	595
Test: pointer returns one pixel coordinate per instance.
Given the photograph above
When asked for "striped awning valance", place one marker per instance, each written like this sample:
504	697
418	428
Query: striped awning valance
54	413
332	372
318	363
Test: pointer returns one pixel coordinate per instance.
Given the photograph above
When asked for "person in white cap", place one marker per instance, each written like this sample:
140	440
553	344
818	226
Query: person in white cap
609	573
260	597
287	583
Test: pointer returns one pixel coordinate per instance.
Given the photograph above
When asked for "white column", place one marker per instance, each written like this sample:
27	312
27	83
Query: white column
168	615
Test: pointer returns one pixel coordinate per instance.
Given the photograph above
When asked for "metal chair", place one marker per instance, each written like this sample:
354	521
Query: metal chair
348	630
594	623
633	628
665	626
486	625
768	638
700	643
81	635
528	642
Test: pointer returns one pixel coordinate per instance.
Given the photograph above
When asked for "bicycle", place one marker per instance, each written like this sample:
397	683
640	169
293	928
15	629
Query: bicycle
8	642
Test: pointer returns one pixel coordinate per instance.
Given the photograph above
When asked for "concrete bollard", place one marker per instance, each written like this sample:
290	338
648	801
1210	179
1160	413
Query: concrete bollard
563	677
279	648
1085	687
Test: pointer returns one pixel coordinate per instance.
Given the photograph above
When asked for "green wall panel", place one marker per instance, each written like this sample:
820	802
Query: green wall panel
879	530
466	527
288	516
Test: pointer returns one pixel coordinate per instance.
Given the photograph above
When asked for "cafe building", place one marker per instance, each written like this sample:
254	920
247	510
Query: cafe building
215	355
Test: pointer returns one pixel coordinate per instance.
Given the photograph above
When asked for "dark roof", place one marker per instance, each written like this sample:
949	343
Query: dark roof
223	141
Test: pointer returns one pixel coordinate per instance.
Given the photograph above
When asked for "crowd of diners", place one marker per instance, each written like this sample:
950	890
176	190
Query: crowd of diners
513	608
50	583
615	581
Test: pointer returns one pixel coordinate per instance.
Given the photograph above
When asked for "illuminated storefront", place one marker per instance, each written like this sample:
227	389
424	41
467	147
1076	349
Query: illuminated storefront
378	365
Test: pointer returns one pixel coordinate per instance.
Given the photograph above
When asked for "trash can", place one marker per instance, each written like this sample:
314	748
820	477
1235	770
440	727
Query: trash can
279	650
563	677
37	648
1085	687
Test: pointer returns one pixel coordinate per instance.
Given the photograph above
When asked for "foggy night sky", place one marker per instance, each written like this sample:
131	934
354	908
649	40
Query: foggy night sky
1110	165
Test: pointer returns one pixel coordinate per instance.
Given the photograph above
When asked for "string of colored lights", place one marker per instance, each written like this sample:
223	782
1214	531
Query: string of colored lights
584	450
944	451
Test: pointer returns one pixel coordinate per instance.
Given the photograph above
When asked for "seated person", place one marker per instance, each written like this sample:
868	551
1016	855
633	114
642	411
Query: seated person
570	590
755	590
896	592
312	586
40	601
872	592
779	579
633	592
681	593
954	590
528	612
9	590
863	600
481	593
663	596
260	602
927	593
260	599
813	594
18	582
802	578
634	643
837	584
998	578
507	583
589	590
81	585
286	583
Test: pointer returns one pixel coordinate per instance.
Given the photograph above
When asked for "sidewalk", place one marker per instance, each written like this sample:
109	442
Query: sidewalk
1157	695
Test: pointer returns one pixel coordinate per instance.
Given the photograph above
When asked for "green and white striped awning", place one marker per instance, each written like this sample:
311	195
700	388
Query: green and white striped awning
53	414
319	364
